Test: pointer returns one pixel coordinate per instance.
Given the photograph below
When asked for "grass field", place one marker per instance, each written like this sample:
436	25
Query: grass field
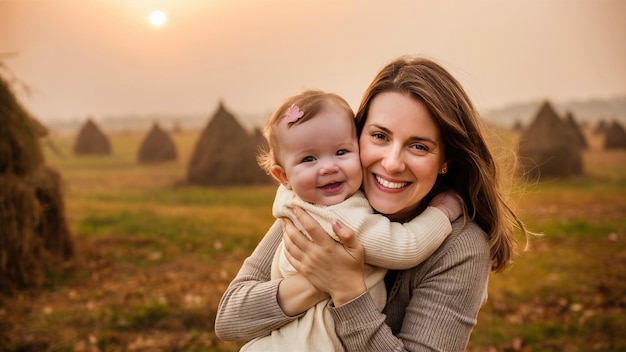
154	257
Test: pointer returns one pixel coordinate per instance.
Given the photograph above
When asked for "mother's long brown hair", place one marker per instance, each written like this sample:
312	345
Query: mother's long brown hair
472	171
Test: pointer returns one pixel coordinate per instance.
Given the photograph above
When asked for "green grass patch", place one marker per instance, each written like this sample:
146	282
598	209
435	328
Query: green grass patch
557	229
145	238
140	317
252	197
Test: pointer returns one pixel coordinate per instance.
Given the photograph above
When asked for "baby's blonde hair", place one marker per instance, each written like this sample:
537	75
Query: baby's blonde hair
310	102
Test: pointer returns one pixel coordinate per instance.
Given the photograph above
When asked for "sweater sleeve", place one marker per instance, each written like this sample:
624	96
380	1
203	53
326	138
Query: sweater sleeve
249	307
434	307
387	244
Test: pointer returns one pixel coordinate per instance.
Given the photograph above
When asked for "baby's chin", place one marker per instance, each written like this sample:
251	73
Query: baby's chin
332	199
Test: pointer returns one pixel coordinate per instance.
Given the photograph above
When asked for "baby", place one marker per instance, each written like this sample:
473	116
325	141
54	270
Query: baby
314	154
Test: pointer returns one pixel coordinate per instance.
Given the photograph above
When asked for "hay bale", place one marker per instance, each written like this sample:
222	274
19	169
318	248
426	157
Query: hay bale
158	146
576	130
33	230
615	136
20	247
91	140
546	149
52	228
20	151
225	154
37	127
259	140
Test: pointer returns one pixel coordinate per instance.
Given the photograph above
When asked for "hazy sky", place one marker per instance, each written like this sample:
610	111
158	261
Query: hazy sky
102	57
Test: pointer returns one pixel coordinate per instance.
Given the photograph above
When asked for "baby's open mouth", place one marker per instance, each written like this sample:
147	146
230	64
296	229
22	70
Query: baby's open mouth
331	186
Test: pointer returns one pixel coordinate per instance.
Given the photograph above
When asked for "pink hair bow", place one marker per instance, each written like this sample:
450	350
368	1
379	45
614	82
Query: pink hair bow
293	114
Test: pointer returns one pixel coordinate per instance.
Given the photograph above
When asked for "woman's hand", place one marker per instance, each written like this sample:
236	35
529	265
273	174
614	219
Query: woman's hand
333	267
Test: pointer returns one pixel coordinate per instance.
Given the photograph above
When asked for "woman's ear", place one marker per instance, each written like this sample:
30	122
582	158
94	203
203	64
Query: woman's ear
444	168
279	174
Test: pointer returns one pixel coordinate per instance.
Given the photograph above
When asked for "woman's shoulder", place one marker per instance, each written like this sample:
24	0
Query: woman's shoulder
466	240
463	257
468	234
469	229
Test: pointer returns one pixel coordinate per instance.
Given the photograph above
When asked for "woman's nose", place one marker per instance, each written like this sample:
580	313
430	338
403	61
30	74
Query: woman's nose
393	162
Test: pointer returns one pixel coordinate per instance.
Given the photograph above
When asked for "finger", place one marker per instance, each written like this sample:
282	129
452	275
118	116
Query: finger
293	239
345	234
291	233
350	242
314	229
296	236
295	263
348	238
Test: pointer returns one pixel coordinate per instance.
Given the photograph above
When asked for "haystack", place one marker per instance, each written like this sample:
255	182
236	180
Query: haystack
20	247
225	154
546	149
577	130
33	230
615	136
158	146
20	151
259	140
52	227
91	140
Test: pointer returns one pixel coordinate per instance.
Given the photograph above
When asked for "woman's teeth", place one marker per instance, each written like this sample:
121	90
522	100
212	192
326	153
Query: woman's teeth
387	184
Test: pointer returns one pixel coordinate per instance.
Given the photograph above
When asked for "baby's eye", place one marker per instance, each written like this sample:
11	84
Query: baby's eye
342	152
308	159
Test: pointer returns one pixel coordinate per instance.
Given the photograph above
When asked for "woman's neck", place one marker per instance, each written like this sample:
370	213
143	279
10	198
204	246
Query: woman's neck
406	214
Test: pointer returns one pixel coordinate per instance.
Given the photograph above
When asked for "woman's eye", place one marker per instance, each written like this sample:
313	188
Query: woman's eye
308	159
379	136
419	147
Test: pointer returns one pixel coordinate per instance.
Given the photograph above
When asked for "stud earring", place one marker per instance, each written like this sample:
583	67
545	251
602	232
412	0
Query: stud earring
444	169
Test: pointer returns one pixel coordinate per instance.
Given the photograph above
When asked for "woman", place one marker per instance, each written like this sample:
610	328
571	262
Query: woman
419	134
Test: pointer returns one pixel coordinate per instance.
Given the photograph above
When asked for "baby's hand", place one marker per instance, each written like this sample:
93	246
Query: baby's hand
449	202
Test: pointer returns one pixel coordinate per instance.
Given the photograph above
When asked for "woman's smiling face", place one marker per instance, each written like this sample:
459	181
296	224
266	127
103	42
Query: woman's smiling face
401	153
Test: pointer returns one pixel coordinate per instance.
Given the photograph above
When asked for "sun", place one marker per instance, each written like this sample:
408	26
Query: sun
157	18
